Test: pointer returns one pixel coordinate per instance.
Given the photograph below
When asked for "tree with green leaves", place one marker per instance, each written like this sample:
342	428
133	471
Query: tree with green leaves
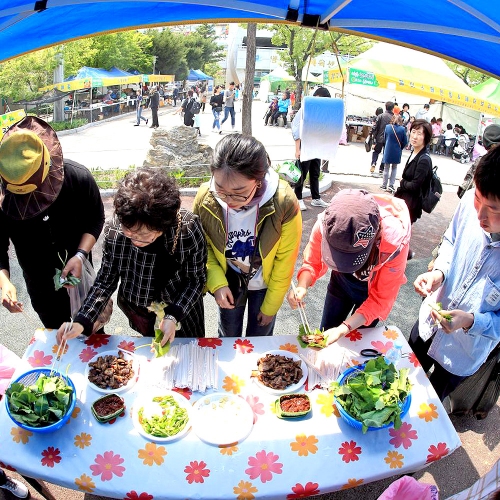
170	52
202	47
468	75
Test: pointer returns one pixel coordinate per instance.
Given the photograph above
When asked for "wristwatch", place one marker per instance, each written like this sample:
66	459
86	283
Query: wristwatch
171	318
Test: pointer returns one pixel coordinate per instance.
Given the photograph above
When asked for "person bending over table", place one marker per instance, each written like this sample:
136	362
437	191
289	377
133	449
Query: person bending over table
466	281
246	201
157	251
363	238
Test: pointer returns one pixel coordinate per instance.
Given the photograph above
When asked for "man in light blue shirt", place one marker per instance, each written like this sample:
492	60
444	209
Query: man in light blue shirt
466	281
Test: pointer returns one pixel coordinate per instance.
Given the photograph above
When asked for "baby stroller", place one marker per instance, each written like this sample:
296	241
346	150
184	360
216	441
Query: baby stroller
462	152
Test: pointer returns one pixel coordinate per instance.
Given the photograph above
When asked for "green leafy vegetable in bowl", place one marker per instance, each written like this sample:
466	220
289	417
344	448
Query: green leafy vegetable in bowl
41	404
373	395
164	419
311	338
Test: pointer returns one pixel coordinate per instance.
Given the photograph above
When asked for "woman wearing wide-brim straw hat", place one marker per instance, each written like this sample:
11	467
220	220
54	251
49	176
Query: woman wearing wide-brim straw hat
49	207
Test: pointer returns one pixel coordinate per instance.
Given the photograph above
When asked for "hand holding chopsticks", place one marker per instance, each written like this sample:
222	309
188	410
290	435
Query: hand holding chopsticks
302	312
61	349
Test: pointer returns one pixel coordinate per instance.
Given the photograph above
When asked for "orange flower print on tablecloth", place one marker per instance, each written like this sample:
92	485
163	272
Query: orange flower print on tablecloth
304	445
390	334
152	454
196	472
403	436
228	450
256	405
325	400
243	345
55	348
209	342
76	411
233	384
300	491
263	466
85	483
20	435
350	451
87	354
245	490
133	495
437	452
51	456
413	360
106	465
428	412
354	335
39	359
127	345
83	440
380	346
394	459
352	483
97	340
184	391
289	347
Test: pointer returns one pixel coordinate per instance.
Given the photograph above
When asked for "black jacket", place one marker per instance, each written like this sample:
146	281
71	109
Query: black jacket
378	131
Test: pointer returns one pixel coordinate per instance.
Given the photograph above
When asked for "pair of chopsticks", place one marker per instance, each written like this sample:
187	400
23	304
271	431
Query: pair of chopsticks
302	311
60	350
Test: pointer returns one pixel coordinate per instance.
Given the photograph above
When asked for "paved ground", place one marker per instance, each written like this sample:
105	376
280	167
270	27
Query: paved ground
118	144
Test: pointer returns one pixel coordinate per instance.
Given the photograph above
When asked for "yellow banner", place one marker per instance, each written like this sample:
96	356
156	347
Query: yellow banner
161	78
120	80
82	83
465	100
9	119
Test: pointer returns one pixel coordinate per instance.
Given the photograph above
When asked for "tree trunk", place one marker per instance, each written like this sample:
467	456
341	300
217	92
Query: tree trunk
246	110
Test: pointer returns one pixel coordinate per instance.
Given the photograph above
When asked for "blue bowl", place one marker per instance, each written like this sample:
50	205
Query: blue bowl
405	406
52	427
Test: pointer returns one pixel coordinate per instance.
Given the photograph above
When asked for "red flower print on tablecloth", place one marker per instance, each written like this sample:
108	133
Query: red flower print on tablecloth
263	465
196	472
349	451
380	346
98	340
403	436
354	335
394	459
183	391
427	412
300	491
289	347
233	384
51	456
20	435
228	450
133	495
352	483
256	405
39	359
87	354
127	345
85	483
437	452
325	400
244	346
7	467
390	334
304	445
32	340
107	465
212	342
245	490
83	440
113	420
413	360
152	454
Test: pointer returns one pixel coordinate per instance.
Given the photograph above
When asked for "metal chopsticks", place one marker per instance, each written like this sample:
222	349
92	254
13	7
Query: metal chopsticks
61	349
302	311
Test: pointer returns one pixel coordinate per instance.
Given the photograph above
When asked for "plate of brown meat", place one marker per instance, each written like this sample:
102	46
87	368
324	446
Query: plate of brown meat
280	372
112	371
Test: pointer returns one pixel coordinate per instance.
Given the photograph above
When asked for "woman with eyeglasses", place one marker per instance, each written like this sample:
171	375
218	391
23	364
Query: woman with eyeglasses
244	202
157	252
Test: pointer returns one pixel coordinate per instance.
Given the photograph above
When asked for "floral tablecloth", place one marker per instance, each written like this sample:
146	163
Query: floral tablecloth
279	459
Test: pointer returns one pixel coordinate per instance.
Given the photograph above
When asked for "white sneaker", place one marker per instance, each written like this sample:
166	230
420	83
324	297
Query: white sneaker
16	488
319	203
302	205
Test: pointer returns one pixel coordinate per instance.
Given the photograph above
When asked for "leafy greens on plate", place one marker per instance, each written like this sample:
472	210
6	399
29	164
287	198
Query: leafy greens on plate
373	395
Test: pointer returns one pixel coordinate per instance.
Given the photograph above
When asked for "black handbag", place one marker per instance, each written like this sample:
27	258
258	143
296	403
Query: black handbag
368	143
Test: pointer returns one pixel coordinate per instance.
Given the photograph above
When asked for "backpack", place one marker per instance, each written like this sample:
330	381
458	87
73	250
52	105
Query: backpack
193	106
433	195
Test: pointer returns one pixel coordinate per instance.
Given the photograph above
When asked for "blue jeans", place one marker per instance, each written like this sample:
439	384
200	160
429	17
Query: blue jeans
344	293
231	320
394	168
139	115
227	111
216	118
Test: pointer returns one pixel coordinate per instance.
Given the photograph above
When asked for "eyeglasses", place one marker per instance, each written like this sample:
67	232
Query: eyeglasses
236	197
120	230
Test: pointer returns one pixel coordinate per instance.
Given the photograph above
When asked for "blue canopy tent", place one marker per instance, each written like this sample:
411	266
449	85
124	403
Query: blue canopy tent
463	31
196	75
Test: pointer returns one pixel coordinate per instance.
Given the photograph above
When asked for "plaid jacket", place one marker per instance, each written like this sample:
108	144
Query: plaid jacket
133	267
